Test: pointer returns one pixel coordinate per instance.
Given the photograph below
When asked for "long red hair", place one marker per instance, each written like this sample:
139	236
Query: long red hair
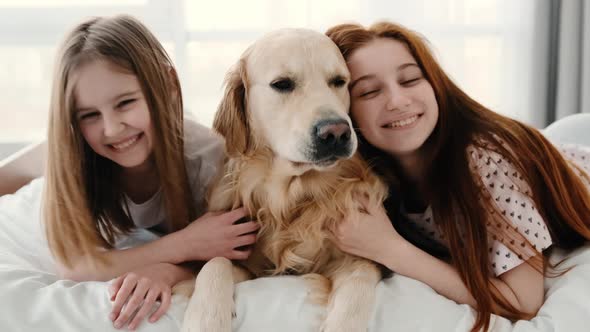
559	194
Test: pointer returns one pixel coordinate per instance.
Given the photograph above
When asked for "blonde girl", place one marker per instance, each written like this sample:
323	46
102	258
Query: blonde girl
121	158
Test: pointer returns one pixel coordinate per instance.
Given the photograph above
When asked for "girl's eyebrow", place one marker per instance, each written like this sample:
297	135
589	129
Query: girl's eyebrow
84	109
125	94
406	65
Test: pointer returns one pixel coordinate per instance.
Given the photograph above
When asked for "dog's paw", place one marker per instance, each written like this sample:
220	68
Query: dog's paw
208	316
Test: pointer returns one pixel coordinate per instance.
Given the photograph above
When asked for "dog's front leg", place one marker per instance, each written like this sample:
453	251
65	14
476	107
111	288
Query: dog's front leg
352	298
211	306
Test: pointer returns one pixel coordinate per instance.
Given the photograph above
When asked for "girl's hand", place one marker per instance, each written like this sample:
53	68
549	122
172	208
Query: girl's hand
217	235
367	233
140	289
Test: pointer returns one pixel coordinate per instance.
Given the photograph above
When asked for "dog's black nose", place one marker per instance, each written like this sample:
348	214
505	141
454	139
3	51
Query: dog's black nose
331	139
333	133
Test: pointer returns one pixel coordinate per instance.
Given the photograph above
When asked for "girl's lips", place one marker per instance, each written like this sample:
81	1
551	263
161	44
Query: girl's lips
405	123
123	145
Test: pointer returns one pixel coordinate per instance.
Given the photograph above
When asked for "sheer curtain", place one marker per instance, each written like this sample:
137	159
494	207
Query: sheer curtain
497	50
570	45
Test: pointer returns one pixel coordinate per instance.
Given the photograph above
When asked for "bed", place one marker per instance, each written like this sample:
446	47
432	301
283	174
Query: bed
34	299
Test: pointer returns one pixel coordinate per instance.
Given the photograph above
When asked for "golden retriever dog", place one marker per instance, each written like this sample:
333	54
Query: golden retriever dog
292	163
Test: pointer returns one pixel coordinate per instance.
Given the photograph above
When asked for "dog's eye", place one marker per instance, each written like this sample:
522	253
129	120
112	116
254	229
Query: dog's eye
337	81
283	85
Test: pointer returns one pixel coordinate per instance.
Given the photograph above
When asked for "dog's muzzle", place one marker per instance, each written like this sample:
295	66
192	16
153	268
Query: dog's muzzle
331	140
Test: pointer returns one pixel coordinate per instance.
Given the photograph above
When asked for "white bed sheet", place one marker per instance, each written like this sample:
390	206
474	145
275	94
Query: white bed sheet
33	299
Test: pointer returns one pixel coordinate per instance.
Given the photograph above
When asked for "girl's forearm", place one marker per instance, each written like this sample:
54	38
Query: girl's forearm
181	273
408	260
163	250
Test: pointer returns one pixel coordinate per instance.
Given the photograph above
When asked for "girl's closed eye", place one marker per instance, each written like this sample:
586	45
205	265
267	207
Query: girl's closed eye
410	76
126	102
88	116
411	81
370	93
367	91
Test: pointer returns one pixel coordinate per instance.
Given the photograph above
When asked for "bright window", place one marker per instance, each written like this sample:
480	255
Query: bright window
487	46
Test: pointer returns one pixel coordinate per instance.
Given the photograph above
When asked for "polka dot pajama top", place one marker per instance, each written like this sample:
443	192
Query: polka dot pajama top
512	197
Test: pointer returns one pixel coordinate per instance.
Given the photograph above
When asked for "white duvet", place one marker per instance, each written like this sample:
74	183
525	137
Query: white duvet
33	299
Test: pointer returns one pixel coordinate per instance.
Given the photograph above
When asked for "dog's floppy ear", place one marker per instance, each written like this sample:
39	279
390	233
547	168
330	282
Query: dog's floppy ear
231	120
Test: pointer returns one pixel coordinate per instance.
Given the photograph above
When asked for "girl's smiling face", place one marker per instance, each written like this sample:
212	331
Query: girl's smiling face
112	114
392	103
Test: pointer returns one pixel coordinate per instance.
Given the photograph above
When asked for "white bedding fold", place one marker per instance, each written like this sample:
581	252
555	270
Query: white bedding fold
32	299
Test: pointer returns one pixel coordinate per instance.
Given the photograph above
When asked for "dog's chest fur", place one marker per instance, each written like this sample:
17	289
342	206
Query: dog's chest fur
294	235
295	212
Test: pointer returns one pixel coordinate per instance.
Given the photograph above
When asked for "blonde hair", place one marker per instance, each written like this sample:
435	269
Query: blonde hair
83	207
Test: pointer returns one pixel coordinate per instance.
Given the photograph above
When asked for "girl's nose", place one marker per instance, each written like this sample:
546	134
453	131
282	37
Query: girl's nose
397	100
112	125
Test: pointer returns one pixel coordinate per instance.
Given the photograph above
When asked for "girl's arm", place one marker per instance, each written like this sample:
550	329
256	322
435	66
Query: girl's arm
522	286
212	235
163	250
372	236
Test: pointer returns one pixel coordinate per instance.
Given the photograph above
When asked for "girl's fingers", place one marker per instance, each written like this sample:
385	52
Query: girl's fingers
245	240
234	215
165	299
245	228
126	288
132	305
147	305
115	286
240	254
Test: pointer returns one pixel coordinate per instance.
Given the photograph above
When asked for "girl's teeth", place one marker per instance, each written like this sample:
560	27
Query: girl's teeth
126	143
405	122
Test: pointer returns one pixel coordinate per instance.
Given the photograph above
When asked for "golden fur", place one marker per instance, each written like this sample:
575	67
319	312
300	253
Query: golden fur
294	212
296	203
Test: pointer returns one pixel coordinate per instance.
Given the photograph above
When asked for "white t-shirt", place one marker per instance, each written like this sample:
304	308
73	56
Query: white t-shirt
203	152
